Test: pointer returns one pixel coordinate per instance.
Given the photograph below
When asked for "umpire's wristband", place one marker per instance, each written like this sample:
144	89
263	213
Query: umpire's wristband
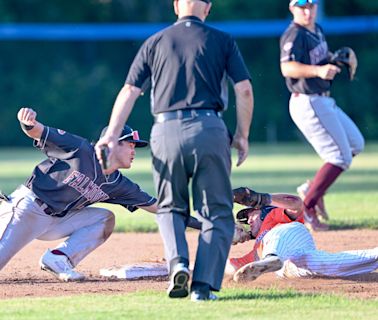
26	127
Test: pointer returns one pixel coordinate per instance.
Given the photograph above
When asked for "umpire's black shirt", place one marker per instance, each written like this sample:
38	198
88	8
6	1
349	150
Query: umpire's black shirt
186	64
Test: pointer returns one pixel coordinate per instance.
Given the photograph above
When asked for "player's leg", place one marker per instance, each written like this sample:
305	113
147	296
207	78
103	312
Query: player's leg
338	264
317	118
171	183
281	243
21	221
86	230
212	197
354	135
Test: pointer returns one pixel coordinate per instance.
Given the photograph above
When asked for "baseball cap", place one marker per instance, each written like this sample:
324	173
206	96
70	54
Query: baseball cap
128	134
207	1
302	3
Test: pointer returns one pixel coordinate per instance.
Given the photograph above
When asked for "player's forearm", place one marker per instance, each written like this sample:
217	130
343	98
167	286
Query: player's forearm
244	107
35	132
297	70
286	201
122	108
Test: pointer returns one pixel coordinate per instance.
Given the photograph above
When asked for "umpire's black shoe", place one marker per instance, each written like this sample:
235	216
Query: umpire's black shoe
178	287
199	296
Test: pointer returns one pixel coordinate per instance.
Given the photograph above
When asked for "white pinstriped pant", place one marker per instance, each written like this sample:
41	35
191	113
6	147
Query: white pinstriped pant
293	242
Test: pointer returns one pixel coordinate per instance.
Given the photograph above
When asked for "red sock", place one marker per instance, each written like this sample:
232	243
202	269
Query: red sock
323	179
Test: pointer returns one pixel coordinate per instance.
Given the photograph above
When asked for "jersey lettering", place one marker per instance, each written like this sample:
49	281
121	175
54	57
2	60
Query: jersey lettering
87	188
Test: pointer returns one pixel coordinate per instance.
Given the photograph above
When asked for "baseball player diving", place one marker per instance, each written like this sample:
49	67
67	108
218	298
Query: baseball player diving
54	202
309	69
284	244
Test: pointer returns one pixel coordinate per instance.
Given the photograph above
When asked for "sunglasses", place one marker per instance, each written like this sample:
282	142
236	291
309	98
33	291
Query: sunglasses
134	135
302	3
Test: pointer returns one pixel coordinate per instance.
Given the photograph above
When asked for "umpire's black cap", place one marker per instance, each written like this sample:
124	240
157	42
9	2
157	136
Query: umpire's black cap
128	134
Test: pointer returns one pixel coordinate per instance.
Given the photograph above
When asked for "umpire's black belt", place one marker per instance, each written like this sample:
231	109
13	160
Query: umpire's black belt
185	114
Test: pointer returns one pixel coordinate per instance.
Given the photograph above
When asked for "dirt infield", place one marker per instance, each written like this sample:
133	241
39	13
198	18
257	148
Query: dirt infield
22	277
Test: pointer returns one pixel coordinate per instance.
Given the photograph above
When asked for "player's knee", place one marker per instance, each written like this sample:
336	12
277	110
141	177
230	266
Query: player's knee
109	223
359	147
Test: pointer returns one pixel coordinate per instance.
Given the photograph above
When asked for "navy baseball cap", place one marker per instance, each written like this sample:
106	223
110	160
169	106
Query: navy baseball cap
128	134
302	3
207	1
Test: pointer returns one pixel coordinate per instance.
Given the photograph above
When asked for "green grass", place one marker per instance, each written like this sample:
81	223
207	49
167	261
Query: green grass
233	304
272	168
278	168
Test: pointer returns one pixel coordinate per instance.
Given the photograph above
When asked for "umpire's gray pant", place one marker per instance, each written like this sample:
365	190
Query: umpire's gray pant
196	150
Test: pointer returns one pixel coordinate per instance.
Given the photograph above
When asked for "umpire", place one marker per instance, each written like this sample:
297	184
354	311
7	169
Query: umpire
188	65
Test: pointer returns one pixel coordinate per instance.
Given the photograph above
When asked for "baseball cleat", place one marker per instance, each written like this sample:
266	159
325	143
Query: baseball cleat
234	264
253	270
320	209
60	267
312	222
197	296
178	287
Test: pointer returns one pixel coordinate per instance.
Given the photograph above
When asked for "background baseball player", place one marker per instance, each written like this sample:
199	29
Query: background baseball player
53	203
309	68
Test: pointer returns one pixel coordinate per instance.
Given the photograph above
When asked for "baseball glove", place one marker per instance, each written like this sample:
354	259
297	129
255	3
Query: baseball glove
345	56
240	235
250	198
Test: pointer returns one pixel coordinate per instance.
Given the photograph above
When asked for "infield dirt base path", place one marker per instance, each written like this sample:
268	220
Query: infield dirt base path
23	278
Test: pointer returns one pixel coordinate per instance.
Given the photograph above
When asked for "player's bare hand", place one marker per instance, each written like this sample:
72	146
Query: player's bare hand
105	152
328	71
241	144
27	116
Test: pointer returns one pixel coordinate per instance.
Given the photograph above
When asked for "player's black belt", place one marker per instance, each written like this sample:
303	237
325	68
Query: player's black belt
322	94
46	209
185	114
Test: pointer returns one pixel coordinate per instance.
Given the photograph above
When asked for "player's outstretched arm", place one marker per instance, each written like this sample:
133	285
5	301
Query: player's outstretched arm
192	223
286	201
29	124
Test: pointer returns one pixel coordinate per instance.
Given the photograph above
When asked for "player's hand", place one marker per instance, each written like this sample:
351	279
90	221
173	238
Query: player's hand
109	144
27	116
241	144
328	71
240	235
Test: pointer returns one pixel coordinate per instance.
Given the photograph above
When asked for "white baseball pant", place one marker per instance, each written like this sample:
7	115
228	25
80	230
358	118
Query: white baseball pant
22	220
293	242
329	130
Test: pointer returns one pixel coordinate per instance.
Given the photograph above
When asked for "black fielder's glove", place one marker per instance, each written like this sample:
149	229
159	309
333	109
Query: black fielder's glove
250	198
345	56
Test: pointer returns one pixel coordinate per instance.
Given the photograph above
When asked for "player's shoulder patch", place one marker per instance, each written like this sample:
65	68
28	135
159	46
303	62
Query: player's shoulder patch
60	131
288	45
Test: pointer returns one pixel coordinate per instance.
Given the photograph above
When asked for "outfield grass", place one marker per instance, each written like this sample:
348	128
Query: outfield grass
233	304
273	168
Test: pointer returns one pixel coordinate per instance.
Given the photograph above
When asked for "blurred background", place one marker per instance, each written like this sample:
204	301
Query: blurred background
69	58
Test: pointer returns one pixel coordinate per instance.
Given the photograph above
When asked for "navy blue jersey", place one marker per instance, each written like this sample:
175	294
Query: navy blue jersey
188	64
301	45
71	178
